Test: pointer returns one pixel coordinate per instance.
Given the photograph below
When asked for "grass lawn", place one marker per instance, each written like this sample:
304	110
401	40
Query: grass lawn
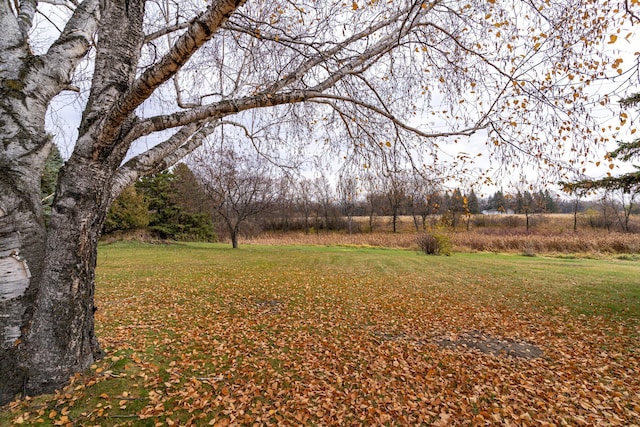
201	334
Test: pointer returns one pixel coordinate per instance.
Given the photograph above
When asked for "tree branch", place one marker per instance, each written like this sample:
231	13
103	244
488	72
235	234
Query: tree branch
12	35
25	15
297	74
64	3
324	99
66	52
200	30
168	30
162	156
267	98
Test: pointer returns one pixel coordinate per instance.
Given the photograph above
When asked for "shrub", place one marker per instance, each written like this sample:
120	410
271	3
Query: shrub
434	243
128	212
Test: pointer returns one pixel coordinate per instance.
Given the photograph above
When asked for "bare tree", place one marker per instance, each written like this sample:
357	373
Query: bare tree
348	197
625	199
395	192
305	201
165	75
284	203
325	197
421	201
373	204
238	187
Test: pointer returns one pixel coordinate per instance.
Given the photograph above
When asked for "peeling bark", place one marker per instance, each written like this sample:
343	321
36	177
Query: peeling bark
21	220
60	338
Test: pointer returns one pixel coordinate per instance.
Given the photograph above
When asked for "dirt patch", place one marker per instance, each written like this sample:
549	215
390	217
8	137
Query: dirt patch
270	306
492	345
477	340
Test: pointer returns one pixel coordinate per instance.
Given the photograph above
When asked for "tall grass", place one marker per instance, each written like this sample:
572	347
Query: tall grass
548	234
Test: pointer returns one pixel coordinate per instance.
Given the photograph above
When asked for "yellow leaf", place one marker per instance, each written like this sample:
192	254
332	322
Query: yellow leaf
611	166
354	6
612	38
62	421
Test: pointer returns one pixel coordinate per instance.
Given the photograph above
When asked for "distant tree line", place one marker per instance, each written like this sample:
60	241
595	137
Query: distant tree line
227	195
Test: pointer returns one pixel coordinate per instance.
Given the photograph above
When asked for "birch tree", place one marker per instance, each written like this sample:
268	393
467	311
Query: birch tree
353	77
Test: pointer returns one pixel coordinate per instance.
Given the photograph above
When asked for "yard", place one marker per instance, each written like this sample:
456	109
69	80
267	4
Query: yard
201	334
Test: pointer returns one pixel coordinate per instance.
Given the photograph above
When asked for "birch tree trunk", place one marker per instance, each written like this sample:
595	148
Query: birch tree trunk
60	338
21	252
22	231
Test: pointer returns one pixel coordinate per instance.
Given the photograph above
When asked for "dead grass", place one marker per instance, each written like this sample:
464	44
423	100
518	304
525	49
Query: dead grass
549	234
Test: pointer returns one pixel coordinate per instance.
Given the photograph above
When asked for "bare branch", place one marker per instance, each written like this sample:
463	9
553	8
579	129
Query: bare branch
633	15
463	132
199	31
322	56
46	17
267	98
65	3
168	30
25	15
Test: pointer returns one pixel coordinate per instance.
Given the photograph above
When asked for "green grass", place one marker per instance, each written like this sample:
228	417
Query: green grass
339	335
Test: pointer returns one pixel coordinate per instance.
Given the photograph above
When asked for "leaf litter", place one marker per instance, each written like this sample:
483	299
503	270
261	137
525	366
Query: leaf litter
332	346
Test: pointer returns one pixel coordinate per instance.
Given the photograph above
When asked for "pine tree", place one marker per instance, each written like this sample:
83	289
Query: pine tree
472	203
173	206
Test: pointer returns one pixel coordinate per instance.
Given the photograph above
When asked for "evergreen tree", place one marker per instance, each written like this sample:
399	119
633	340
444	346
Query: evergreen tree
628	183
173	207
49	179
456	207
187	192
550	204
128	212
498	202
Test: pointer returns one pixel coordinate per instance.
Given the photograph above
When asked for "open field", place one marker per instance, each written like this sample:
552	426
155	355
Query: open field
201	334
548	234
594	244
